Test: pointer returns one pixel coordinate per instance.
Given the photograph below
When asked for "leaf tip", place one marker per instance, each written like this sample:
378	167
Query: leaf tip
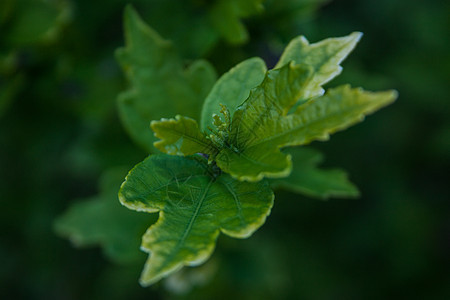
130	15
356	36
387	97
393	95
153	123
129	9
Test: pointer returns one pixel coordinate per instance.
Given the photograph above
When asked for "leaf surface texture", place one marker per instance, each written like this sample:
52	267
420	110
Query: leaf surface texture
262	125
194	206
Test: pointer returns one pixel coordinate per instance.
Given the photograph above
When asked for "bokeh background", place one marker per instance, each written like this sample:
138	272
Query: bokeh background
60	133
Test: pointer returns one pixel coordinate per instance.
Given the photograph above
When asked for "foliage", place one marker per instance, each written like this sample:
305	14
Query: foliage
60	132
286	108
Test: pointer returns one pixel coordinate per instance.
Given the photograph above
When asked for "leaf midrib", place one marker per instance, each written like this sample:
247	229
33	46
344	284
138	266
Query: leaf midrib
189	226
194	216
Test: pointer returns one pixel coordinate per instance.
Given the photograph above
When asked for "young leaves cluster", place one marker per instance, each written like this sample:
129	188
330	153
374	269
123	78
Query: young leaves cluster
216	176
287	108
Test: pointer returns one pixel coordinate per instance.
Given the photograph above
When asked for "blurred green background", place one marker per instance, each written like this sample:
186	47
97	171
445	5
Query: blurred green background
59	132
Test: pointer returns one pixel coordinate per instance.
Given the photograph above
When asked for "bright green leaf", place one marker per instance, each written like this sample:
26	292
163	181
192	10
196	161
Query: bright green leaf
160	86
181	136
324	57
307	179
232	89
262	125
101	220
261	115
275	114
195	204
259	118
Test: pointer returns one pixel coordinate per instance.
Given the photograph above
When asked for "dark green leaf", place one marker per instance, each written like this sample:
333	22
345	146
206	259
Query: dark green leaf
195	204
160	86
226	15
307	179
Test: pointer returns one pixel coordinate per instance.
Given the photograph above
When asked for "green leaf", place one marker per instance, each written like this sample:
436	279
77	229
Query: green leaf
195	204
201	76
226	14
324	57
181	136
232	89
101	220
259	117
285	109
160	86
307	179
262	125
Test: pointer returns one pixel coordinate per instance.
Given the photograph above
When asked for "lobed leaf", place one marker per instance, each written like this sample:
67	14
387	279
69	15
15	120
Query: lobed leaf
194	207
160	86
259	117
181	136
307	179
323	57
